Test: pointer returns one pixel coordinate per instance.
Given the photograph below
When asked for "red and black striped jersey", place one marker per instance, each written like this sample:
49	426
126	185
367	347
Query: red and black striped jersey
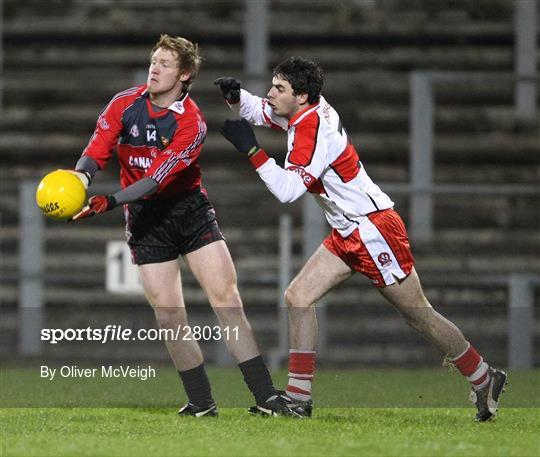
160	144
320	160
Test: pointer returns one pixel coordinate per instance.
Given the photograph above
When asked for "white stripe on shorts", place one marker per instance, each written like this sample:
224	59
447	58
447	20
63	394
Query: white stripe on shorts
380	251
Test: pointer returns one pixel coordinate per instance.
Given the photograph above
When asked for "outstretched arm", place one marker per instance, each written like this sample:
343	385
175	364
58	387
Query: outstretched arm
255	110
287	185
86	168
98	204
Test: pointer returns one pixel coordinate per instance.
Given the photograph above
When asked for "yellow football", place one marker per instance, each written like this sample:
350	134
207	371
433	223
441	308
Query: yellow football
60	195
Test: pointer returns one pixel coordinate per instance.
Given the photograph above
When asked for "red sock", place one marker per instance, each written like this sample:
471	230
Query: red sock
472	366
301	369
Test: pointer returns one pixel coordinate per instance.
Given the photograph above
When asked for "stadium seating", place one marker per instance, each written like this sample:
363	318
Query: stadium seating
64	60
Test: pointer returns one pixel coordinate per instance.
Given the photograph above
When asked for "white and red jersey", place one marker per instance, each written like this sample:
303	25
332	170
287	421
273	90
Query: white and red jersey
160	144
320	160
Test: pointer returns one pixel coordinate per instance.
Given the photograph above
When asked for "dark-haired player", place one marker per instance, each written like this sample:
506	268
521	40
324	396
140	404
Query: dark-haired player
158	132
367	236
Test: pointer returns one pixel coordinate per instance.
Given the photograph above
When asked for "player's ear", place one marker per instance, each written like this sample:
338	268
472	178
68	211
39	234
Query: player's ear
184	76
302	99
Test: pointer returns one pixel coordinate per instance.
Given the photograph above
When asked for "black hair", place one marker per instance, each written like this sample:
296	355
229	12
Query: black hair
304	76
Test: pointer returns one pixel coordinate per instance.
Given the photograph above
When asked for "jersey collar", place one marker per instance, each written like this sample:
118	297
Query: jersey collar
177	106
302	113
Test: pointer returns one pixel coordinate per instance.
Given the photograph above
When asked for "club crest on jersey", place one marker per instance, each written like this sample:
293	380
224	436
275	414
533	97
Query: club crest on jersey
134	131
384	259
178	107
103	123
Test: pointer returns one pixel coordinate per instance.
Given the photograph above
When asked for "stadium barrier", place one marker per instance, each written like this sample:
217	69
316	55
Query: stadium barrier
422	119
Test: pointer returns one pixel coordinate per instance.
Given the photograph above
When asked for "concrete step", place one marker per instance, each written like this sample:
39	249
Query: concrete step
371	117
504	214
447	240
233	204
396	57
82	268
456	299
95	87
63	148
120	25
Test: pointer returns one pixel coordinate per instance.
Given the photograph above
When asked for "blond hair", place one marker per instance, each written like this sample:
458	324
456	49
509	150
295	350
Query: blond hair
189	59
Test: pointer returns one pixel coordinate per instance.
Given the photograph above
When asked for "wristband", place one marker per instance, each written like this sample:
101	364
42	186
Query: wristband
111	202
259	158
253	151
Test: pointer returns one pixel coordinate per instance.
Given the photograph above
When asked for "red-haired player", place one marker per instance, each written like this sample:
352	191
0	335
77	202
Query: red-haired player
158	132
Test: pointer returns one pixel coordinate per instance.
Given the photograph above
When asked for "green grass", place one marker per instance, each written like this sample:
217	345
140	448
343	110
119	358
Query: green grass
334	432
419	427
23	387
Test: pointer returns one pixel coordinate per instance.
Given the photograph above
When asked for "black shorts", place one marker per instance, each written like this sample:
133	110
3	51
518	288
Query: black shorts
161	230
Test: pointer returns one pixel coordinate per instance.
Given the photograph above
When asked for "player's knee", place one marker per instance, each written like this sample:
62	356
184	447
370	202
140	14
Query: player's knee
170	317
159	297
226	296
289	297
293	299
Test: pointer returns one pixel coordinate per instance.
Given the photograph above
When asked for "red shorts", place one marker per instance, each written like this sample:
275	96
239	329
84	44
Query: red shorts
379	248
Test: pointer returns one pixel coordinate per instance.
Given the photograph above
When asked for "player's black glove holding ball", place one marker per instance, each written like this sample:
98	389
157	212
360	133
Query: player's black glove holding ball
230	87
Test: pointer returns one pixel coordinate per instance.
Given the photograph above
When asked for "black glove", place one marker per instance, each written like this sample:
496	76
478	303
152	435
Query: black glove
230	88
241	135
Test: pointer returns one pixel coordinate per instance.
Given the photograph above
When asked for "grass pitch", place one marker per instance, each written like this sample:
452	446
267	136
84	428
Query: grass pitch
419	428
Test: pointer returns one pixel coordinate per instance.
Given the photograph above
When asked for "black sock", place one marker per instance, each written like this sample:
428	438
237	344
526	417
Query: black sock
257	379
197	386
